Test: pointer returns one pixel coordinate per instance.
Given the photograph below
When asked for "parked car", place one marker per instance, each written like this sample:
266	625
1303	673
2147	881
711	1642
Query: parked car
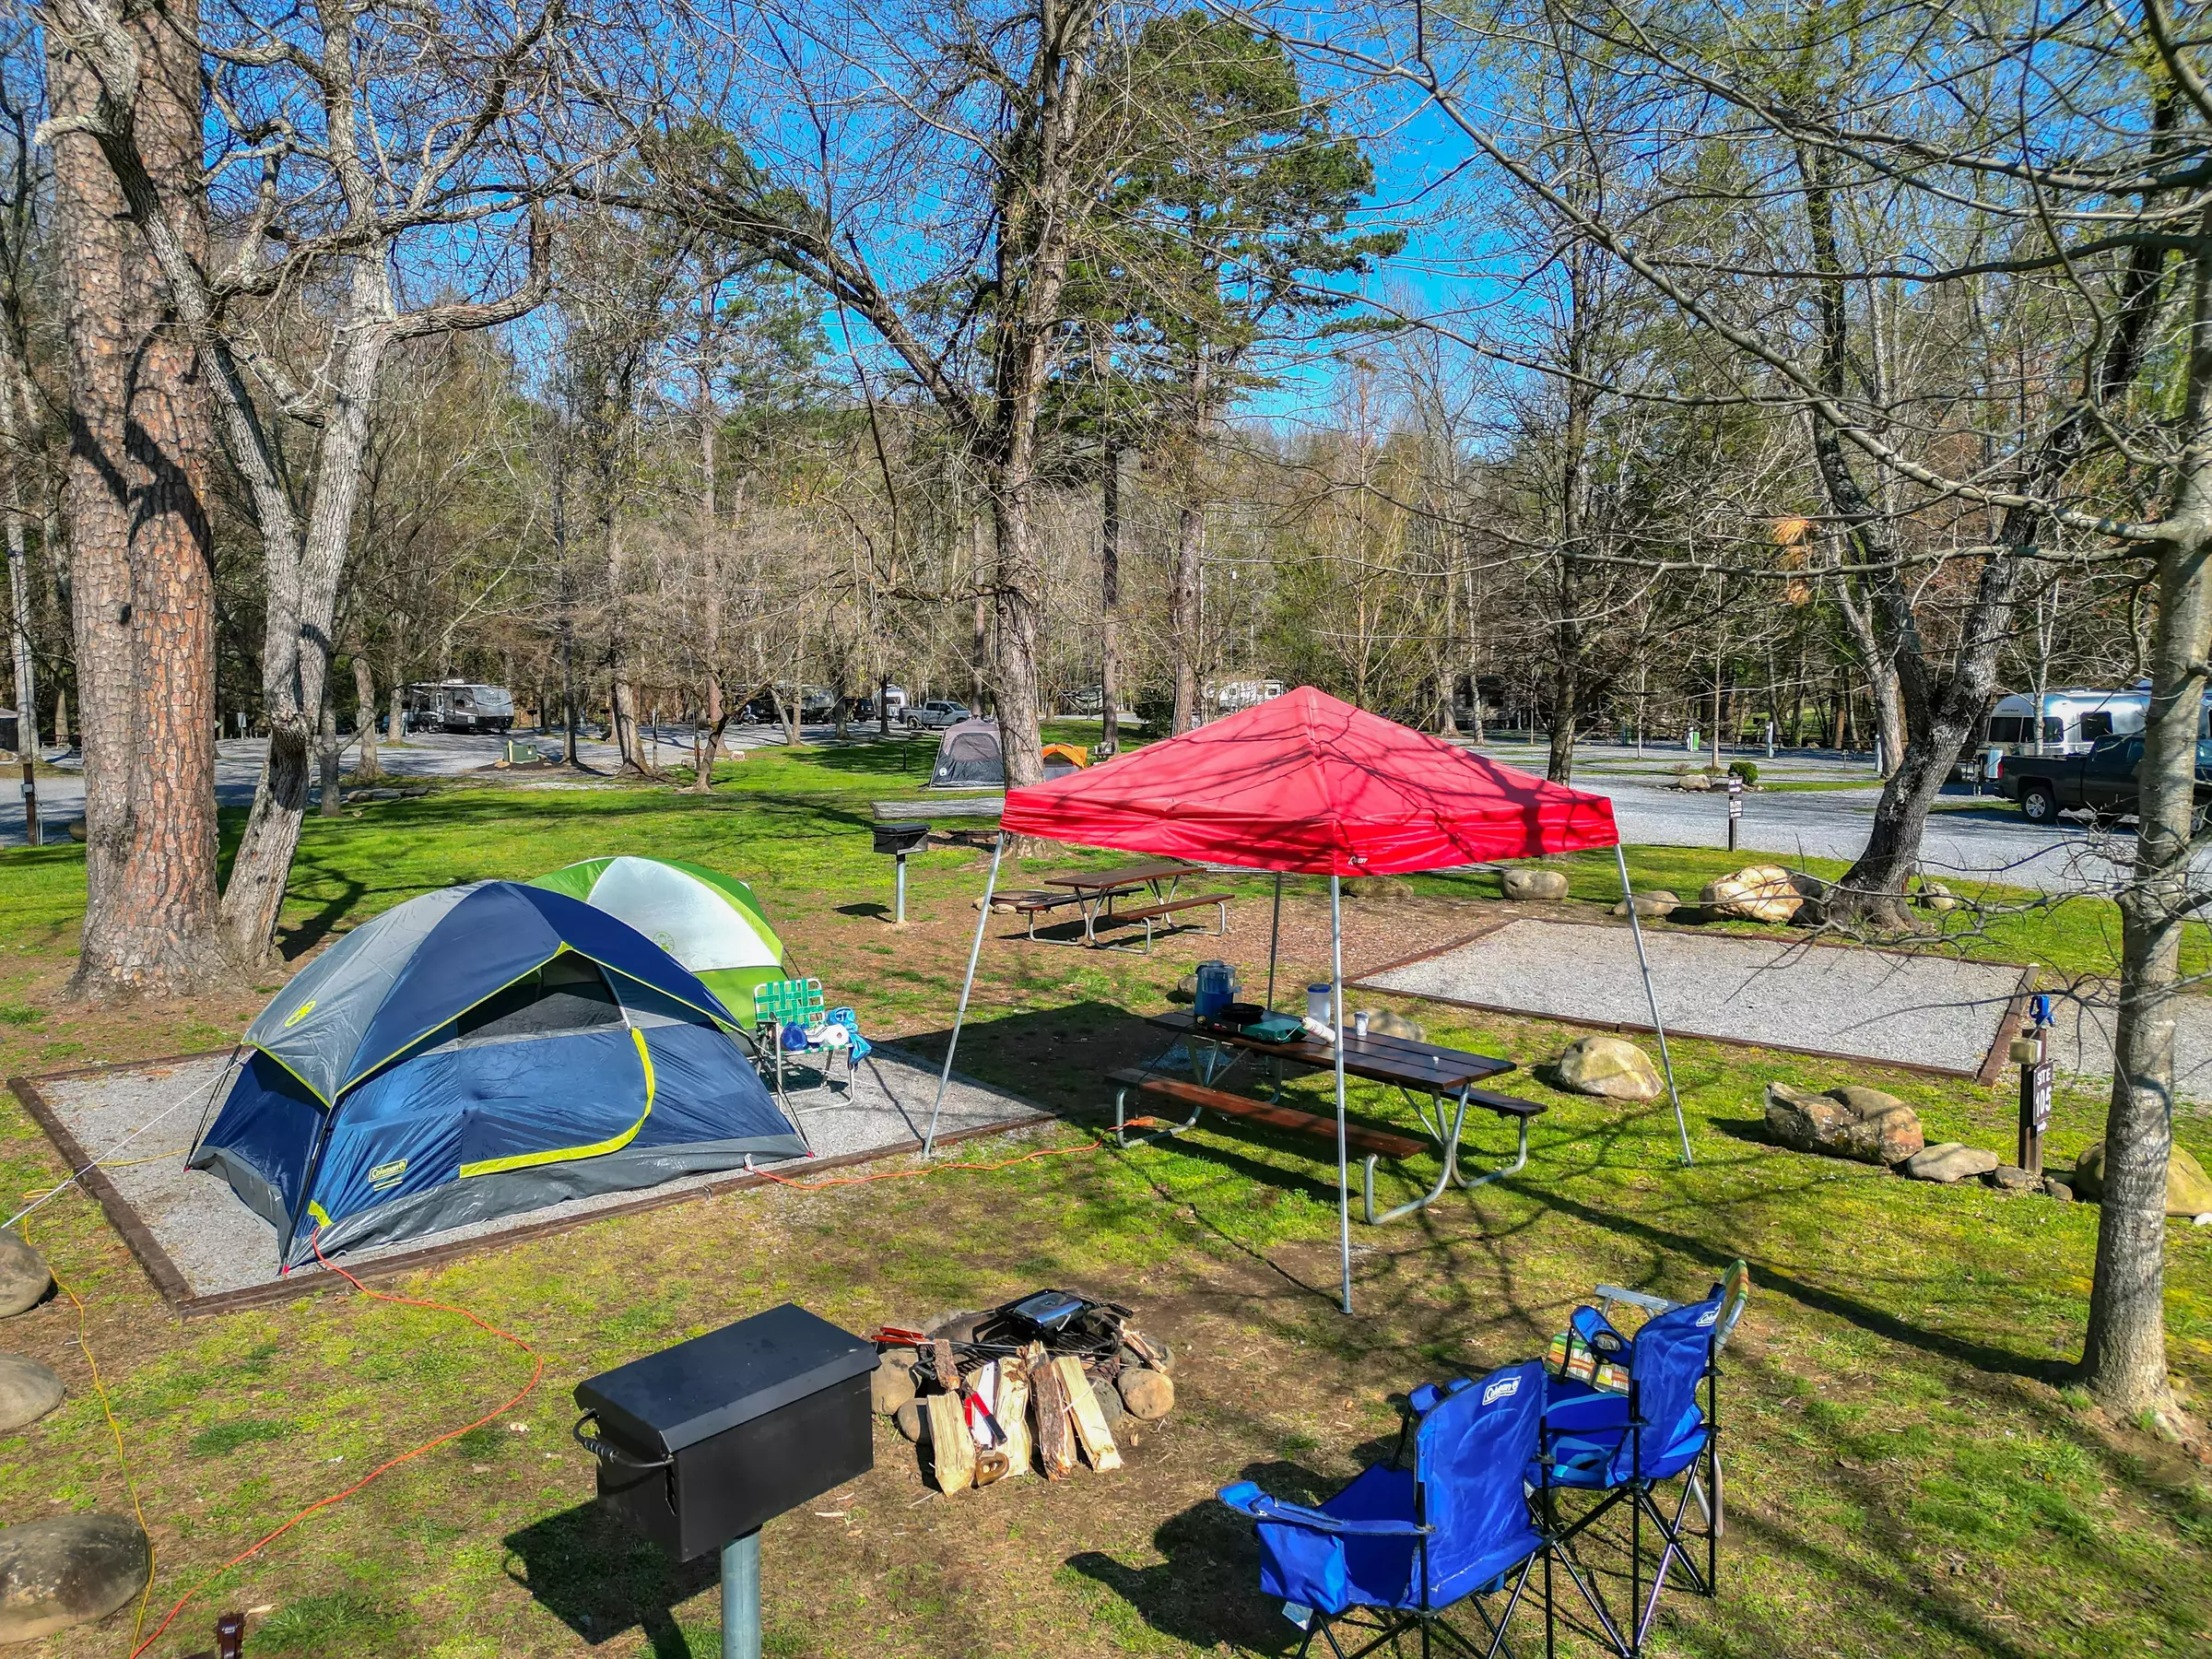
2103	780
936	714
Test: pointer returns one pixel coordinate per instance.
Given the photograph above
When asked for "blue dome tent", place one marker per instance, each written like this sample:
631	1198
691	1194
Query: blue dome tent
478	1050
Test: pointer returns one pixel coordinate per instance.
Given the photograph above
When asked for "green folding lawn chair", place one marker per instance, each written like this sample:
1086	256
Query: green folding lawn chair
796	1005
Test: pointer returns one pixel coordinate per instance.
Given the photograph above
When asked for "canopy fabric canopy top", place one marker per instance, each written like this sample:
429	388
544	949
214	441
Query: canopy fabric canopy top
1309	786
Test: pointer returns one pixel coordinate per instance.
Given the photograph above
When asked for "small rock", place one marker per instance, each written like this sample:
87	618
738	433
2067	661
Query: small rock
913	1422
1696	781
2013	1179
2055	1188
1610	1066
74	830
2188	1191
68	1571
1756	893
1147	1395
1522	883
23	1275
1379	890
1949	1162
1934	896
1385	1023
1655	903
1861	1123
893	1383
27	1391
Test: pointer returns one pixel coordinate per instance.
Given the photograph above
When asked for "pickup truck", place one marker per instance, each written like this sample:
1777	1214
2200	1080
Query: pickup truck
2103	780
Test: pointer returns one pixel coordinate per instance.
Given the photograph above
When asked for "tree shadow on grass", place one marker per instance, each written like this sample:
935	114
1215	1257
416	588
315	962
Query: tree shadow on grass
1206	1590
600	1578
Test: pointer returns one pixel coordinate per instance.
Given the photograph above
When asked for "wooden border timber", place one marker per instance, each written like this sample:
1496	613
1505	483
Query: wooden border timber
177	1293
1992	1063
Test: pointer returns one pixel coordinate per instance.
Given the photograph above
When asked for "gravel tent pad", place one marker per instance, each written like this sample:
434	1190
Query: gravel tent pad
207	1252
1926	1013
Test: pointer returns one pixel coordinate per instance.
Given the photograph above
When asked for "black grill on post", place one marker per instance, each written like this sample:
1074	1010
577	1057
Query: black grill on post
701	1443
899	840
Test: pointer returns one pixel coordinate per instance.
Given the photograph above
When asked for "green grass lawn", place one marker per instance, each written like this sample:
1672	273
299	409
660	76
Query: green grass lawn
1910	1471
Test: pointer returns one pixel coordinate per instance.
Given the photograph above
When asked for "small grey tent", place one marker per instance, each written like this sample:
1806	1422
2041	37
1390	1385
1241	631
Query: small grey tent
968	756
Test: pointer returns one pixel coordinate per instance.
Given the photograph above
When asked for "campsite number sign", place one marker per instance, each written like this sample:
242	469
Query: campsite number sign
2035	1113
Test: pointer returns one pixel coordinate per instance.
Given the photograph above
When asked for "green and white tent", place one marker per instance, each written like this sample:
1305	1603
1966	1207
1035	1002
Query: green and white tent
709	921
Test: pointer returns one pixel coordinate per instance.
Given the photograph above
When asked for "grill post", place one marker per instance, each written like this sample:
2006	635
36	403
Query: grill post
741	1597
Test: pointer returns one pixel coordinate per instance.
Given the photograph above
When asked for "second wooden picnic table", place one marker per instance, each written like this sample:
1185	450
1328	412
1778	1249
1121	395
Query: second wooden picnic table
1097	889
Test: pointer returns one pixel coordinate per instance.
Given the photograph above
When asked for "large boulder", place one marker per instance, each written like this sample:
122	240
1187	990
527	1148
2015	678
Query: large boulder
2188	1191
1947	1162
1383	1023
1521	882
1657	903
1611	1066
68	1571
24	1278
1864	1125
27	1391
1756	893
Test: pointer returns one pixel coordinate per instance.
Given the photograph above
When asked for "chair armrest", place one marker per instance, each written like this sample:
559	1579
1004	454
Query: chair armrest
1635	1299
1429	1395
1247	1499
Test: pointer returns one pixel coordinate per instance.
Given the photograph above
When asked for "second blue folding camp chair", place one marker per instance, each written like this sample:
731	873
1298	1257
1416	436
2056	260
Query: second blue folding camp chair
1624	1447
1397	1547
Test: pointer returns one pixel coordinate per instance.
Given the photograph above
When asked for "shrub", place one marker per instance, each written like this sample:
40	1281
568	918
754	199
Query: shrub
1744	770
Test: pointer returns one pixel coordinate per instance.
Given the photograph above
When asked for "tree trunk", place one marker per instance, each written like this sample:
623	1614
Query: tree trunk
19	614
328	745
2123	1360
2124	1357
1018	613
364	705
18	573
1183	614
1110	602
61	717
142	585
302	610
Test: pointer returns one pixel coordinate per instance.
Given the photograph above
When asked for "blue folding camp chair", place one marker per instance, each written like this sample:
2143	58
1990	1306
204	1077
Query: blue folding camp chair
1398	1546
1625	1447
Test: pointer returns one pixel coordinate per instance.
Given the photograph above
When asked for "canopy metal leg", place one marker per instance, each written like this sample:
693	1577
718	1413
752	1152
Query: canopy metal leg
983	919
1344	1174
1275	934
1628	897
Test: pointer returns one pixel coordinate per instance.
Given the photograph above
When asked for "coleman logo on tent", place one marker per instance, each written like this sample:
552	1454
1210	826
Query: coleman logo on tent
299	1013
1500	1389
387	1174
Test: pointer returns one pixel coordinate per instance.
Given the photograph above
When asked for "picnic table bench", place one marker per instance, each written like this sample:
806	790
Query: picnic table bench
1414	1068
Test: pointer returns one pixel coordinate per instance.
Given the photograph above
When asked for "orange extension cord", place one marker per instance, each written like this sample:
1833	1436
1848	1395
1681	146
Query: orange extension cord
536	1372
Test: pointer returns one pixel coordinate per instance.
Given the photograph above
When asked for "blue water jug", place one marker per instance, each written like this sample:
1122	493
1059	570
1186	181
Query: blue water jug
1217	989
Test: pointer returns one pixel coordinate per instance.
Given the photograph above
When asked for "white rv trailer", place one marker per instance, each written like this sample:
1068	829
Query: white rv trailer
2071	719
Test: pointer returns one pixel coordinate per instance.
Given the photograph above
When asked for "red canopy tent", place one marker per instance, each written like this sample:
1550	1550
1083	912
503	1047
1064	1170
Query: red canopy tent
1305	784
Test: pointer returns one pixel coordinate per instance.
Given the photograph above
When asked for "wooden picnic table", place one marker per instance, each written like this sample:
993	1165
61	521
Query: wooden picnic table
1443	1074
1096	890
